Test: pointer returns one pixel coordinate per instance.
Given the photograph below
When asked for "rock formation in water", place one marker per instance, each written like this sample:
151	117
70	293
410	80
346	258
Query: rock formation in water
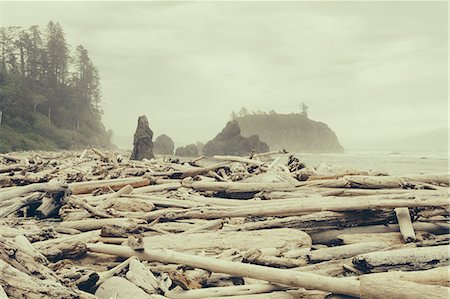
187	151
163	145
142	142
294	132
230	142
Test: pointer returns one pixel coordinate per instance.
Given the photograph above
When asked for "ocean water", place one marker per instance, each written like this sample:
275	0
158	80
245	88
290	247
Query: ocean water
394	163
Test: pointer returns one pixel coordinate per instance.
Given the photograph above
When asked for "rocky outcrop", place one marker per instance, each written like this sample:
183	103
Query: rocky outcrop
294	132
142	142
230	142
187	151
163	145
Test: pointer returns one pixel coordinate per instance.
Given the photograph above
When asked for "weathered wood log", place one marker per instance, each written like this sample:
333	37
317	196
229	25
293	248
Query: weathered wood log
435	276
380	288
48	207
322	221
391	238
333	268
69	250
13	167
119	287
422	258
90	209
344	251
234	187
298	208
3	294
214	243
21	257
255	256
93	224
51	187
142	277
288	277
331	235
18	284
191	172
85	237
115	184
165	202
239	159
157	188
404	222
224	291
288	294
20	203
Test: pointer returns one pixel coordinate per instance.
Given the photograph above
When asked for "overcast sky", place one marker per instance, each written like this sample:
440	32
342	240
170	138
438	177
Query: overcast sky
373	71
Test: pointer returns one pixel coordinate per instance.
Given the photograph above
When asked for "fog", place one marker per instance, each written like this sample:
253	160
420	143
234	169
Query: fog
375	72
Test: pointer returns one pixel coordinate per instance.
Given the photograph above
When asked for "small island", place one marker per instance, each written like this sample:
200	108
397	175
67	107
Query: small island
295	132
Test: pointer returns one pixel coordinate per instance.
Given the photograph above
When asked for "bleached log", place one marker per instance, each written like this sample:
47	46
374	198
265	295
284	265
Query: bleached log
103	276
288	277
115	184
9	168
51	187
18	284
210	225
142	277
28	248
421	258
48	207
93	224
436	276
392	238
191	172
405	224
85	237
20	203
11	158
344	251
165	202
157	188
224	291
211	242
298	208
92	210
3	294
21	257
333	268
381	288
239	159
322	221
331	234
256	256
234	187
118	288
288	294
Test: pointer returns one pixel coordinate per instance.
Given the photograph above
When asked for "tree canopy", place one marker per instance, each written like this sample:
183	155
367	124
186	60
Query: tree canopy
50	97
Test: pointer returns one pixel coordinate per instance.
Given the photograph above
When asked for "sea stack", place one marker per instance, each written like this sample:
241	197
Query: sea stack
231	142
142	142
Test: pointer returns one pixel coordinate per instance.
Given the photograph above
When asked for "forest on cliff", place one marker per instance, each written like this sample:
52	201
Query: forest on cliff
50	96
295	132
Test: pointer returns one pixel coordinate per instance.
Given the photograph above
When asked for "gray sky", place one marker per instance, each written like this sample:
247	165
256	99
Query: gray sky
373	71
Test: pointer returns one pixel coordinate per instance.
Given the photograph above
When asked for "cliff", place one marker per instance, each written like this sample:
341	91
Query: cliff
294	132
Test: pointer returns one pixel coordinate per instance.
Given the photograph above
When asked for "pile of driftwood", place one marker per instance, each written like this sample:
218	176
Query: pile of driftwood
98	225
